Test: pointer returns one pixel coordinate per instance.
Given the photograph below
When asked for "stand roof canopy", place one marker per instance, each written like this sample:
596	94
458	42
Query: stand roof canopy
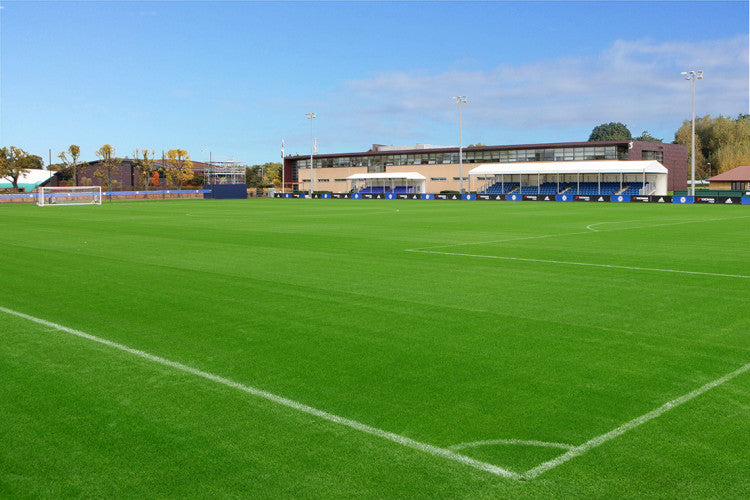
570	167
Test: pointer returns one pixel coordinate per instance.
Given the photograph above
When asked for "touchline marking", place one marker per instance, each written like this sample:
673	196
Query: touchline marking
599	440
520	442
588	264
390	436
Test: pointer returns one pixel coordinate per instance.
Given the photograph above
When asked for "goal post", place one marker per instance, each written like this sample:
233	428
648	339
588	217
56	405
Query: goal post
69	195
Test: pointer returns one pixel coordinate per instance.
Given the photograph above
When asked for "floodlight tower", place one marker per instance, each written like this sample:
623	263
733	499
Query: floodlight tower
282	168
311	117
692	76
460	100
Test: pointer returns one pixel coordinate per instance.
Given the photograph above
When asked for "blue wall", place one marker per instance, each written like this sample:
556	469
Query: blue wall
226	191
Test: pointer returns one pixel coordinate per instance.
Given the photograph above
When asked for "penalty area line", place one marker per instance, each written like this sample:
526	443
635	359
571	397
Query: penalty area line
280	400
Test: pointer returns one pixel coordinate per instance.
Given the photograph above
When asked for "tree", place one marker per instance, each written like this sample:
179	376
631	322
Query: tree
253	176
263	175
646	137
613	131
14	162
72	162
722	141
179	167
682	136
107	167
144	160
477	145
272	174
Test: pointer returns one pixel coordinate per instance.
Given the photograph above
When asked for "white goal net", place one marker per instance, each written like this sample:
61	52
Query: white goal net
79	195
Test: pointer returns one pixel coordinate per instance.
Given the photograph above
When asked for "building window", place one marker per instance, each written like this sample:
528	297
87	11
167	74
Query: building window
324	180
653	155
438	179
458	178
738	186
339	180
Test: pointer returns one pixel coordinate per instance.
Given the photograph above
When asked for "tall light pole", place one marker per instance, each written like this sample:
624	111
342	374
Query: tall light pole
460	100
311	117
692	76
282	168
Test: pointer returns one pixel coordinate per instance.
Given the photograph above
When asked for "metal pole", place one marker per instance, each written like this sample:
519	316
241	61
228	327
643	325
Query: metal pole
692	76
164	169
460	151
460	100
692	140
109	174
311	116
283	185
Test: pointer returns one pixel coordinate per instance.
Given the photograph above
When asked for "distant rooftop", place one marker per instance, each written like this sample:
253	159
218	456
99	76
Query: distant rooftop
741	173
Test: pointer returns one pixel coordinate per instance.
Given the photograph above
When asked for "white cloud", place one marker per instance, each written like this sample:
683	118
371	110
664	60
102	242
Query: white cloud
635	82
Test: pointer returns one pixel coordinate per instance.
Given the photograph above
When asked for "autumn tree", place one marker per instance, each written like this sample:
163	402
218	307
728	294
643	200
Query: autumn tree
69	159
613	131
723	142
14	162
108	166
144	160
179	167
262	175
272	174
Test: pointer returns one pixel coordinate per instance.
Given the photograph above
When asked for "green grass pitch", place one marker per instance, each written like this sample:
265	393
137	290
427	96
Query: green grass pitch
507	334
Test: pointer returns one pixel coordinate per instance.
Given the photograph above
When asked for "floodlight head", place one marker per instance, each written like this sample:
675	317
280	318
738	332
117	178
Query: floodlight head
700	75
310	115
460	99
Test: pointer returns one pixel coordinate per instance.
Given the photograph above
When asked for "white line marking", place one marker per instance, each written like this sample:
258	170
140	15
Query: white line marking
520	442
496	241
599	440
396	438
588	264
588	231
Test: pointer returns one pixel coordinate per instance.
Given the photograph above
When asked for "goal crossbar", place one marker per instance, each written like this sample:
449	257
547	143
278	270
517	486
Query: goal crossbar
69	195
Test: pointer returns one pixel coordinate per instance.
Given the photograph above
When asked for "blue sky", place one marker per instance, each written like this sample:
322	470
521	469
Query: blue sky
235	78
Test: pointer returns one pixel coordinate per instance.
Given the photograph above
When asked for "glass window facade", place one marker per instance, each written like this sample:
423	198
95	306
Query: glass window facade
378	162
653	155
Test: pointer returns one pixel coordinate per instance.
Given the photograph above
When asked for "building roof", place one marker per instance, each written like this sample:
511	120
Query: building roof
571	167
741	173
449	149
30	180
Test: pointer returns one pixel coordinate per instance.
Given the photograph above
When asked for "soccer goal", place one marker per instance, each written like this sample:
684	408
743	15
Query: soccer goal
79	195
